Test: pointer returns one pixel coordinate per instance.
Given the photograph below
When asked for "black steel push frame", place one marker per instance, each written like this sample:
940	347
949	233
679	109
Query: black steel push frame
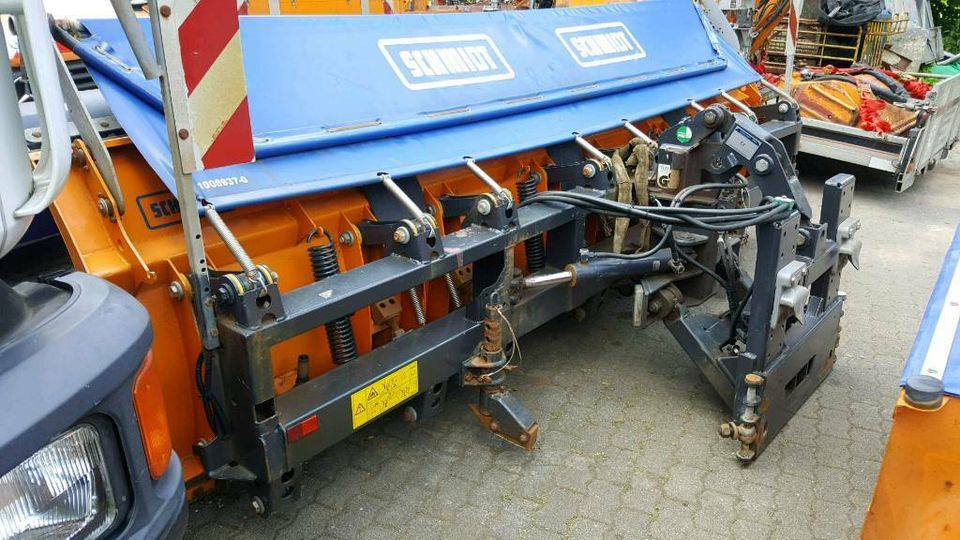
792	306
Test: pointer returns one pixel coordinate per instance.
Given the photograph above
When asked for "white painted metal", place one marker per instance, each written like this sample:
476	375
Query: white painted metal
38	53
187	197
944	333
719	22
790	47
15	182
136	38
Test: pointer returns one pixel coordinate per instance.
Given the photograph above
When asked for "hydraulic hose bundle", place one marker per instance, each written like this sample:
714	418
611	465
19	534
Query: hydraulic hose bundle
720	220
708	219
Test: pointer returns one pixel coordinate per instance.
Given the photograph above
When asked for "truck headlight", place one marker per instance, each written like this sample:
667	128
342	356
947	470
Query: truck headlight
62	491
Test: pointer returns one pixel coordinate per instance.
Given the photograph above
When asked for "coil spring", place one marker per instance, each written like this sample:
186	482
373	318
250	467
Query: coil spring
536	252
323	263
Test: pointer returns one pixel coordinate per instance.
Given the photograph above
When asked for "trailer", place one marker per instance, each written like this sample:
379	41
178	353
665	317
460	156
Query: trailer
802	43
382	215
903	158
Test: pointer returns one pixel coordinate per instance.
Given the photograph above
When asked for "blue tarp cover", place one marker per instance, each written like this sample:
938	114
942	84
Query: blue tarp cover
932	317
336	99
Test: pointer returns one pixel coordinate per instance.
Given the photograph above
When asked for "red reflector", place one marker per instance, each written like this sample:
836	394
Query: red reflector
304	428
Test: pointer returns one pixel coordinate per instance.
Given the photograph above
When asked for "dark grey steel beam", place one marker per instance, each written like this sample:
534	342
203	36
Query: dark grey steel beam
440	348
337	296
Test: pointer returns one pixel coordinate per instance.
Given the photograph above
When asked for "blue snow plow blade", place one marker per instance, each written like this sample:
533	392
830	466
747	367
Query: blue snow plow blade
336	99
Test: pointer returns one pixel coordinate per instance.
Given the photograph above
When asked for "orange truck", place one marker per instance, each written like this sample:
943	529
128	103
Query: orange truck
377	219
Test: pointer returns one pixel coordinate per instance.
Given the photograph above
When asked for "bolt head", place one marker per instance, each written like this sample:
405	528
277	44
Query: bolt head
484	207
710	117
762	165
589	170
752	379
164	11
176	290
346	238
409	415
183	134
725	430
783	108
494	426
103	206
258	506
401	235
746	454
524	438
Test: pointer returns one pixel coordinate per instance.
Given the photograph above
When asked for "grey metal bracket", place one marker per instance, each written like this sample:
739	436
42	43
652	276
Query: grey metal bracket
792	295
90	134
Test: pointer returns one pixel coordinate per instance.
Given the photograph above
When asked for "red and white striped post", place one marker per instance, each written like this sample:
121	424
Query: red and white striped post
208	118
208	92
790	47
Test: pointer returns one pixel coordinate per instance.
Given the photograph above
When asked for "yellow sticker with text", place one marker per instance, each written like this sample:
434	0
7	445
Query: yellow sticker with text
379	397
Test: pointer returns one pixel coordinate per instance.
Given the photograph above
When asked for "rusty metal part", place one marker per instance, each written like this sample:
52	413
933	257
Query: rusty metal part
497	410
487	366
386	315
492	333
749	431
525	439
663	302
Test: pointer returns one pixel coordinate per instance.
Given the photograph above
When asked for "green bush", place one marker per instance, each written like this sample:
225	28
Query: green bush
946	13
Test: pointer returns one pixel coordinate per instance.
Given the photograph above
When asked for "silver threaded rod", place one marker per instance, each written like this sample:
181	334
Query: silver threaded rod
417	306
452	290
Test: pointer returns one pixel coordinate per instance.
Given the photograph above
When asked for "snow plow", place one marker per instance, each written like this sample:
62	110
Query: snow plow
340	242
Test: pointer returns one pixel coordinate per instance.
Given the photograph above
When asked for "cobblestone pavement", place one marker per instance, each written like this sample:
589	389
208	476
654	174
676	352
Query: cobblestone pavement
628	446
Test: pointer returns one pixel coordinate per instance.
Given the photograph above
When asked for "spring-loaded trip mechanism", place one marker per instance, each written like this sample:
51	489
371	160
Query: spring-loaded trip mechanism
536	254
323	262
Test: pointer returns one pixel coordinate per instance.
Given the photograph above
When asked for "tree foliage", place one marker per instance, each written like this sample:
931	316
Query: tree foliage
946	14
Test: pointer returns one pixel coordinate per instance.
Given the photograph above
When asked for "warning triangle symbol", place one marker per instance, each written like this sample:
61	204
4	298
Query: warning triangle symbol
360	409
373	393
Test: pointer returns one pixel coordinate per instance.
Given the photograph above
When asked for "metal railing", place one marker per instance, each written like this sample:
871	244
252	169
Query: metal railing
819	45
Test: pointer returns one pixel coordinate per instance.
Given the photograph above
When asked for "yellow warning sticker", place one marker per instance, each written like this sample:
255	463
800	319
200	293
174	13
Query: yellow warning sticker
377	398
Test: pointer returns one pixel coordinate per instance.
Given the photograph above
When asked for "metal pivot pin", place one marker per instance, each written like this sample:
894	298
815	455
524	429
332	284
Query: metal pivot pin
592	150
635	131
502	193
406	201
739	104
778	91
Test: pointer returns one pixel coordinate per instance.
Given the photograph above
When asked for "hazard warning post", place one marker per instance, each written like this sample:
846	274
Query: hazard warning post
208	91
